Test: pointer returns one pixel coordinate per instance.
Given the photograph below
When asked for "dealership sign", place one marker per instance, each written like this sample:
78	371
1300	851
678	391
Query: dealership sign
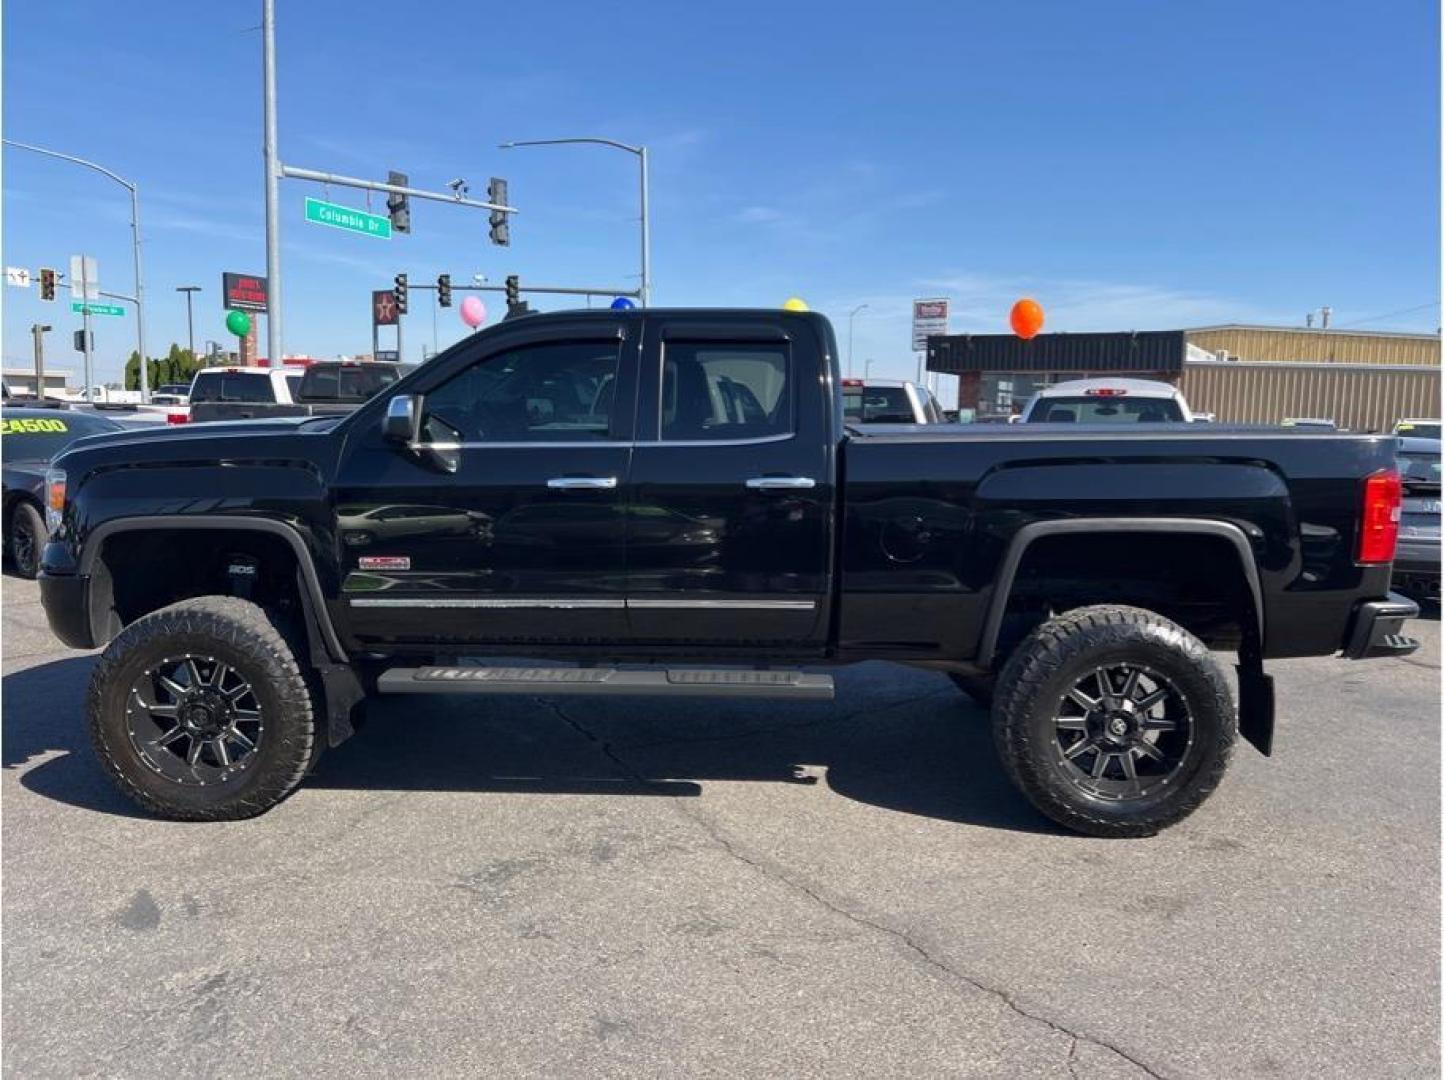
244	292
929	317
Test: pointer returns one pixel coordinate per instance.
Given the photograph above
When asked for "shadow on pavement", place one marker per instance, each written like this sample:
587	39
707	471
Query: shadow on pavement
928	754
44	714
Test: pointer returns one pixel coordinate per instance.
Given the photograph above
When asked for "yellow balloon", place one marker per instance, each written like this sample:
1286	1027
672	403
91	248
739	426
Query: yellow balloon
795	303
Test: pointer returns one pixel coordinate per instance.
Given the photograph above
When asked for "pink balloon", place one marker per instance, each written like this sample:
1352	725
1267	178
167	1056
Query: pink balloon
473	312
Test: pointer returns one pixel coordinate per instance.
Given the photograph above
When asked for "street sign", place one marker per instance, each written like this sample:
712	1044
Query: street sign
93	308
383	308
345	217
244	292
929	317
389	355
18	276
84	278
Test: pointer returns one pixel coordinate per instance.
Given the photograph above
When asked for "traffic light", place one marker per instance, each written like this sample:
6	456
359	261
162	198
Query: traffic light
500	230
47	283
443	290
398	205
513	290
400	291
80	342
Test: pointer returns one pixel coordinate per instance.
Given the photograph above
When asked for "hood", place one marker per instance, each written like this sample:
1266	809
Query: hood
185	434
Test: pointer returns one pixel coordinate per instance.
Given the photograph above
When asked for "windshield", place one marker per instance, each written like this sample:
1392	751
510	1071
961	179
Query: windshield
231	386
40	438
877	405
1419	469
1104	410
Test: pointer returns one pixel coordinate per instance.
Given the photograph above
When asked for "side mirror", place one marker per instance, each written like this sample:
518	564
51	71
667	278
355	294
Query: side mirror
402	413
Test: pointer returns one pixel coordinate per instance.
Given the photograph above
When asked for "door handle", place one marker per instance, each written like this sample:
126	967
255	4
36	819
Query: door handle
781	483
582	483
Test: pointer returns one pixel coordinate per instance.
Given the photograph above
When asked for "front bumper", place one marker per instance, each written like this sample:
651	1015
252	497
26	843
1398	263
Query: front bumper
1378	629
66	599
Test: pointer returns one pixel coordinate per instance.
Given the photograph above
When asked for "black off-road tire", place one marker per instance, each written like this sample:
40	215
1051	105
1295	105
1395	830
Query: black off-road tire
241	635
26	539
1045	666
978	687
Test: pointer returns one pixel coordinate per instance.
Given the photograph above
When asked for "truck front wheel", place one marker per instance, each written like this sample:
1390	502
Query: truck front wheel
1114	721
199	711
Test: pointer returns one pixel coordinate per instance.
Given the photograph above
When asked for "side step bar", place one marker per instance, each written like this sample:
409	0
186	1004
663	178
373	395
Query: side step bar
550	682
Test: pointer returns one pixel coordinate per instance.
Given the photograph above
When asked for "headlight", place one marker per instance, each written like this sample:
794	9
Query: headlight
54	498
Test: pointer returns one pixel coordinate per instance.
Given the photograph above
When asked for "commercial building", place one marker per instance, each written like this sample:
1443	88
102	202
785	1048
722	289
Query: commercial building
21	381
1363	380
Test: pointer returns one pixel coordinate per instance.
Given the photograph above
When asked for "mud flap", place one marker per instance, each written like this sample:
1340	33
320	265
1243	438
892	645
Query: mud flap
1256	707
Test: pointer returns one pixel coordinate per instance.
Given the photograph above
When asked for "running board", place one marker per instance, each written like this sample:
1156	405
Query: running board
552	682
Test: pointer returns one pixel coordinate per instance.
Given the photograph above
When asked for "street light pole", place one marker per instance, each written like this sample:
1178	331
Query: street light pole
135	244
190	324
641	154
850	316
273	184
866	367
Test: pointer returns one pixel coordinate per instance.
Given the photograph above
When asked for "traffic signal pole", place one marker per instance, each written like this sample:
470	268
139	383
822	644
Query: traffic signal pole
37	331
274	324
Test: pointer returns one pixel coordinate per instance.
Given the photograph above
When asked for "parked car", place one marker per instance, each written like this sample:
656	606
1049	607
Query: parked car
321	388
1107	401
242	393
888	401
1416	566
1419	428
30	439
711	528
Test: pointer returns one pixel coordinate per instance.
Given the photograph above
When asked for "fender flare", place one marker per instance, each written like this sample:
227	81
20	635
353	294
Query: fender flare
1018	546
313	599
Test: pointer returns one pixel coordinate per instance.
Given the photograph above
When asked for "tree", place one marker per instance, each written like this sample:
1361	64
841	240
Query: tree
177	366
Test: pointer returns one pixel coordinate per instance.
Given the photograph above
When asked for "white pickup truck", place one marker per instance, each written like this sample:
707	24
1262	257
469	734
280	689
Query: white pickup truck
1108	401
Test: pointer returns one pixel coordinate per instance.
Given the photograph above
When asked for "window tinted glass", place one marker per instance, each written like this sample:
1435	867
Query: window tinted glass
1105	410
1419	468
877	405
557	392
721	391
232	386
355	382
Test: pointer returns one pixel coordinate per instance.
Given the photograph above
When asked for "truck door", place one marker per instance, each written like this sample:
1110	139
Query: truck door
730	510
504	521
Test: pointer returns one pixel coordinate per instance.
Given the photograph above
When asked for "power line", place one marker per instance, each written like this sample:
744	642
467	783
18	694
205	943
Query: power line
1390	314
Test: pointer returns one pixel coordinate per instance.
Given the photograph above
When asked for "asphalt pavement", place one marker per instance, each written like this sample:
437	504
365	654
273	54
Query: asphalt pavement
655	888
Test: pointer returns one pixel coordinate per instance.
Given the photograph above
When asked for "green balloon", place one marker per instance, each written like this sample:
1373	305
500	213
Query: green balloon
238	323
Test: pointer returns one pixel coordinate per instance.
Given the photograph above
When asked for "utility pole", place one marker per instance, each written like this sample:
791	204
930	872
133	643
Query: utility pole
850	316
190	322
273	178
85	335
38	332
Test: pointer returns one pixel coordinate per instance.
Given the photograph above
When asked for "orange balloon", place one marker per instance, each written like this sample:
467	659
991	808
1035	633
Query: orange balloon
1026	318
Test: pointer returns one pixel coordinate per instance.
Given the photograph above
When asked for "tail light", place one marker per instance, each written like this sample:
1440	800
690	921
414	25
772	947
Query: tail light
1379	520
54	498
177	418
1106	391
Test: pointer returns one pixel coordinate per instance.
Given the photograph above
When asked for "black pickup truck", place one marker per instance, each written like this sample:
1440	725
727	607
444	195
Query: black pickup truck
669	503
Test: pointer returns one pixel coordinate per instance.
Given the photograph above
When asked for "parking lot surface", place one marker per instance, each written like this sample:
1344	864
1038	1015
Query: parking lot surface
650	888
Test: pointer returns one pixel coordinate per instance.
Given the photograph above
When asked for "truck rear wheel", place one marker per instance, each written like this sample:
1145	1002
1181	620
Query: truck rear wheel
1114	721
200	712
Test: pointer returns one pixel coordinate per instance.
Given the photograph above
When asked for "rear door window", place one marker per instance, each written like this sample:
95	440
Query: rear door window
725	391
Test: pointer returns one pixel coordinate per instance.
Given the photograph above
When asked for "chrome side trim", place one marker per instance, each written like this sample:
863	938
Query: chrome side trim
717	442
482	602
510	602
722	605
592	444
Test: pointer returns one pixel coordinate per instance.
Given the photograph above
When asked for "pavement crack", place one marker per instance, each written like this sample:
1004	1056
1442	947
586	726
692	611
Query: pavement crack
902	937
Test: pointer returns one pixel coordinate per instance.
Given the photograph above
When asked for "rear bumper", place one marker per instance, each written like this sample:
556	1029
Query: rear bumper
66	599
1378	629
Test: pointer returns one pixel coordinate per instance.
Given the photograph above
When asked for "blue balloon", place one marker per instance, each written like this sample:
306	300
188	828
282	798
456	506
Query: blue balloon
621	303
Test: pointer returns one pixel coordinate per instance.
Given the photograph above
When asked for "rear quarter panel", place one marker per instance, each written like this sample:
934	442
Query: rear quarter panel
929	518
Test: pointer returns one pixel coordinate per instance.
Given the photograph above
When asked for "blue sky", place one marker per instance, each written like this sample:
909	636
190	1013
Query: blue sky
1131	165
